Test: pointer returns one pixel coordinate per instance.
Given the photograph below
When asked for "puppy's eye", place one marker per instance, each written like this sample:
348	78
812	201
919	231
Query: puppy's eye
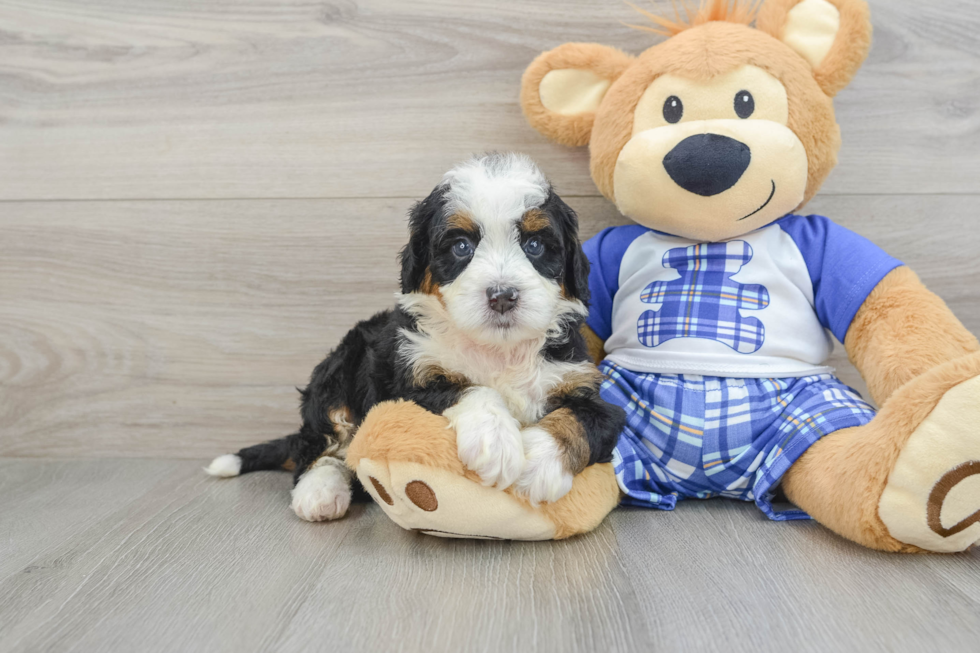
744	104
534	247
673	109
462	248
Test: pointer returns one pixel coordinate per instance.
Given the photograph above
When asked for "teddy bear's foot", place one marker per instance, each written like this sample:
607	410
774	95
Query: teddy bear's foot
406	458
932	498
439	502
908	481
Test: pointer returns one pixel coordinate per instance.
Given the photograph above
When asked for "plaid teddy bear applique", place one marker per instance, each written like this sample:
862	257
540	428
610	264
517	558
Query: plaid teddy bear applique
705	302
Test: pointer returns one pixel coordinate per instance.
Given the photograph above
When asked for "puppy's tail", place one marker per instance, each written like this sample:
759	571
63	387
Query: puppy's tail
274	454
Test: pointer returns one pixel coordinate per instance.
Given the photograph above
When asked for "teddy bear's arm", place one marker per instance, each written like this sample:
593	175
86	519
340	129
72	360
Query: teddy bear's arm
902	330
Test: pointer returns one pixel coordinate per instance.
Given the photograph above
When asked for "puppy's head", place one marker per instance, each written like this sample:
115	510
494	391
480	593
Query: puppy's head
496	251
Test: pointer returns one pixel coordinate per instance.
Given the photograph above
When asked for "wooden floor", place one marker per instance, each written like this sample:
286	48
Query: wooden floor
151	555
197	199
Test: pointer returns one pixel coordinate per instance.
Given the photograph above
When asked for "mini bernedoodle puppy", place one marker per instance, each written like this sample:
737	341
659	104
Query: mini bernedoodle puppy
494	288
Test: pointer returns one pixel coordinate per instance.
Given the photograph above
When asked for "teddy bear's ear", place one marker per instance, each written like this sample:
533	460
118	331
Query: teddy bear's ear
562	89
834	36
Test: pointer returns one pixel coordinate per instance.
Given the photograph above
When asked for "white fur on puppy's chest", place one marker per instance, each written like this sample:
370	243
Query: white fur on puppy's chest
519	372
524	379
527	400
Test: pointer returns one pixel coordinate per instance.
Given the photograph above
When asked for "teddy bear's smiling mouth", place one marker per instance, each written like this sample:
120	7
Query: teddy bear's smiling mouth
771	195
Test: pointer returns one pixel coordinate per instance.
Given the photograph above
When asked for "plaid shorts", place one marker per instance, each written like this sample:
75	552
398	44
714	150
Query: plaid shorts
690	436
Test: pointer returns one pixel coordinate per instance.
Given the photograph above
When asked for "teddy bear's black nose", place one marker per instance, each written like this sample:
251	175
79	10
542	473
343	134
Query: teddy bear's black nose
707	164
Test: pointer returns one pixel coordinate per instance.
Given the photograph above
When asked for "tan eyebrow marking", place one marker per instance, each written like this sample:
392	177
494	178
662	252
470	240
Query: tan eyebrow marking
535	220
462	221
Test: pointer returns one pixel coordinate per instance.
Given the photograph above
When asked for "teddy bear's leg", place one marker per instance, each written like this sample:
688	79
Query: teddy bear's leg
406	458
910	479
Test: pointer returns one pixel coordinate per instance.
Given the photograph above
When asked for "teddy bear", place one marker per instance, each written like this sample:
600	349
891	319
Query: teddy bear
711	315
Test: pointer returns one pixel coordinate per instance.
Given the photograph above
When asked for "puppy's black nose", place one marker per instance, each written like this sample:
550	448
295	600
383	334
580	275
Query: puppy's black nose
502	299
707	164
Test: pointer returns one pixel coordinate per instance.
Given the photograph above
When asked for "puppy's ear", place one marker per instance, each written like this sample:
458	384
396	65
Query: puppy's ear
416	255
577	267
575	272
834	36
562	89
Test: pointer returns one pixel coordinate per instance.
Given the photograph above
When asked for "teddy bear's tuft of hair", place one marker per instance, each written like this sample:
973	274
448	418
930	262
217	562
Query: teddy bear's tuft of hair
729	11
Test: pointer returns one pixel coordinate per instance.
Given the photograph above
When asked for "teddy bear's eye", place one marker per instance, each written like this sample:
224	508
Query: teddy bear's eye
744	104
673	109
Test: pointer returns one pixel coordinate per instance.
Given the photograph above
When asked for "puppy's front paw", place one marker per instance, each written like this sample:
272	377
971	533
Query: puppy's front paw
545	478
322	493
488	438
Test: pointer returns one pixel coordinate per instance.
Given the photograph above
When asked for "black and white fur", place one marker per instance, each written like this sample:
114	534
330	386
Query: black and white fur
493	223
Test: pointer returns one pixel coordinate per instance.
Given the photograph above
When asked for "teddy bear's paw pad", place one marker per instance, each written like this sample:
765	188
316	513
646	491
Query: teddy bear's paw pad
442	503
422	496
932	498
381	491
322	493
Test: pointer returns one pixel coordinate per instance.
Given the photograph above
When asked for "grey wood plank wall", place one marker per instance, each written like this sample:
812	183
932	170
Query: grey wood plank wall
198	198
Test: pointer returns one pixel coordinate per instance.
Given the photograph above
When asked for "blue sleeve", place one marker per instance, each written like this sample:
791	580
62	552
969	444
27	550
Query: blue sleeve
844	268
605	252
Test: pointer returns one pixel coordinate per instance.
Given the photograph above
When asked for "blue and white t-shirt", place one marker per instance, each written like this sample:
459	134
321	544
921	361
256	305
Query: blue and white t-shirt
757	306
